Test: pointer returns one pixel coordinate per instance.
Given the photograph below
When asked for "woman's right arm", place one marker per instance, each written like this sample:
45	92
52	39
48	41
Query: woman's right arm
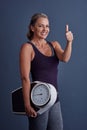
26	54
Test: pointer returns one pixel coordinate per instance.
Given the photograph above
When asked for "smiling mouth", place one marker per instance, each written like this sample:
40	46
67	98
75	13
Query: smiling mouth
44	34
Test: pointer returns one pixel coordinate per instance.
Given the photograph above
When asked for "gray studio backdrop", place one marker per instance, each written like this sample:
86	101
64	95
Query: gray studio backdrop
14	19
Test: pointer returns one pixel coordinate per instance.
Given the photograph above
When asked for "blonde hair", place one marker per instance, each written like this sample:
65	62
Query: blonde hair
34	18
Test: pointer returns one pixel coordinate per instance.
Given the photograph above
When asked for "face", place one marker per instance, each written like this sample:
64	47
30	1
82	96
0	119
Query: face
41	28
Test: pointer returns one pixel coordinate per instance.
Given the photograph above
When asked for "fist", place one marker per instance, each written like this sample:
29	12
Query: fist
69	34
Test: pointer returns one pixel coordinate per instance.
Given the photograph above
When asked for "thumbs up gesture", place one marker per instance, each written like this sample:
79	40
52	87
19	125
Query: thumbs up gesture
69	34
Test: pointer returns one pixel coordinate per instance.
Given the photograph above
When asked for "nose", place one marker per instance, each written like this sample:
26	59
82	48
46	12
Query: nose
45	28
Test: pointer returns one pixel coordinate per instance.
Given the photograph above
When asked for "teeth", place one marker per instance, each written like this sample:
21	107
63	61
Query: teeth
44	33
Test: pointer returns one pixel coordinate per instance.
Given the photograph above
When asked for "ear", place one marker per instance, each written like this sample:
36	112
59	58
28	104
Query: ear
32	28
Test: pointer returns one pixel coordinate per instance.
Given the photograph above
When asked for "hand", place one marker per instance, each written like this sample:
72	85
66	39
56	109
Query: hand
69	34
30	111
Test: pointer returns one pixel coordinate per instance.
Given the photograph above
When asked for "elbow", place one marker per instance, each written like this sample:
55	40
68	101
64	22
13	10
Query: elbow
25	79
65	60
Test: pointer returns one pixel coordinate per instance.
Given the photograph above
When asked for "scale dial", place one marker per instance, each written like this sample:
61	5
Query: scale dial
40	94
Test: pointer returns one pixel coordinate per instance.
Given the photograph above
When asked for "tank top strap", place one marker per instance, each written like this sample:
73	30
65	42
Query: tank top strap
31	43
32	46
53	52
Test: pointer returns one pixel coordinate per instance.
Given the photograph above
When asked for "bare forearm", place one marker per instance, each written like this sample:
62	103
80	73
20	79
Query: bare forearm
64	55
26	92
67	52
68	48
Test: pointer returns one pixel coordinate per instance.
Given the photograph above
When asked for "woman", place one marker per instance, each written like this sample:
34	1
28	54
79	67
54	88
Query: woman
41	58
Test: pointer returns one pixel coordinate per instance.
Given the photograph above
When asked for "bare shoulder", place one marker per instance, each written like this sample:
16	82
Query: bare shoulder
27	51
55	43
26	46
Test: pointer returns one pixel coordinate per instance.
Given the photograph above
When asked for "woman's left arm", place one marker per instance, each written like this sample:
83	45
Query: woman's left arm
64	55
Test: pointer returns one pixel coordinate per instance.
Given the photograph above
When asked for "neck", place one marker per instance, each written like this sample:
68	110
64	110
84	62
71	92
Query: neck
38	42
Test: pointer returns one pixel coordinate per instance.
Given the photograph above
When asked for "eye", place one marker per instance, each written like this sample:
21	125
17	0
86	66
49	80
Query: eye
40	25
47	26
43	26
